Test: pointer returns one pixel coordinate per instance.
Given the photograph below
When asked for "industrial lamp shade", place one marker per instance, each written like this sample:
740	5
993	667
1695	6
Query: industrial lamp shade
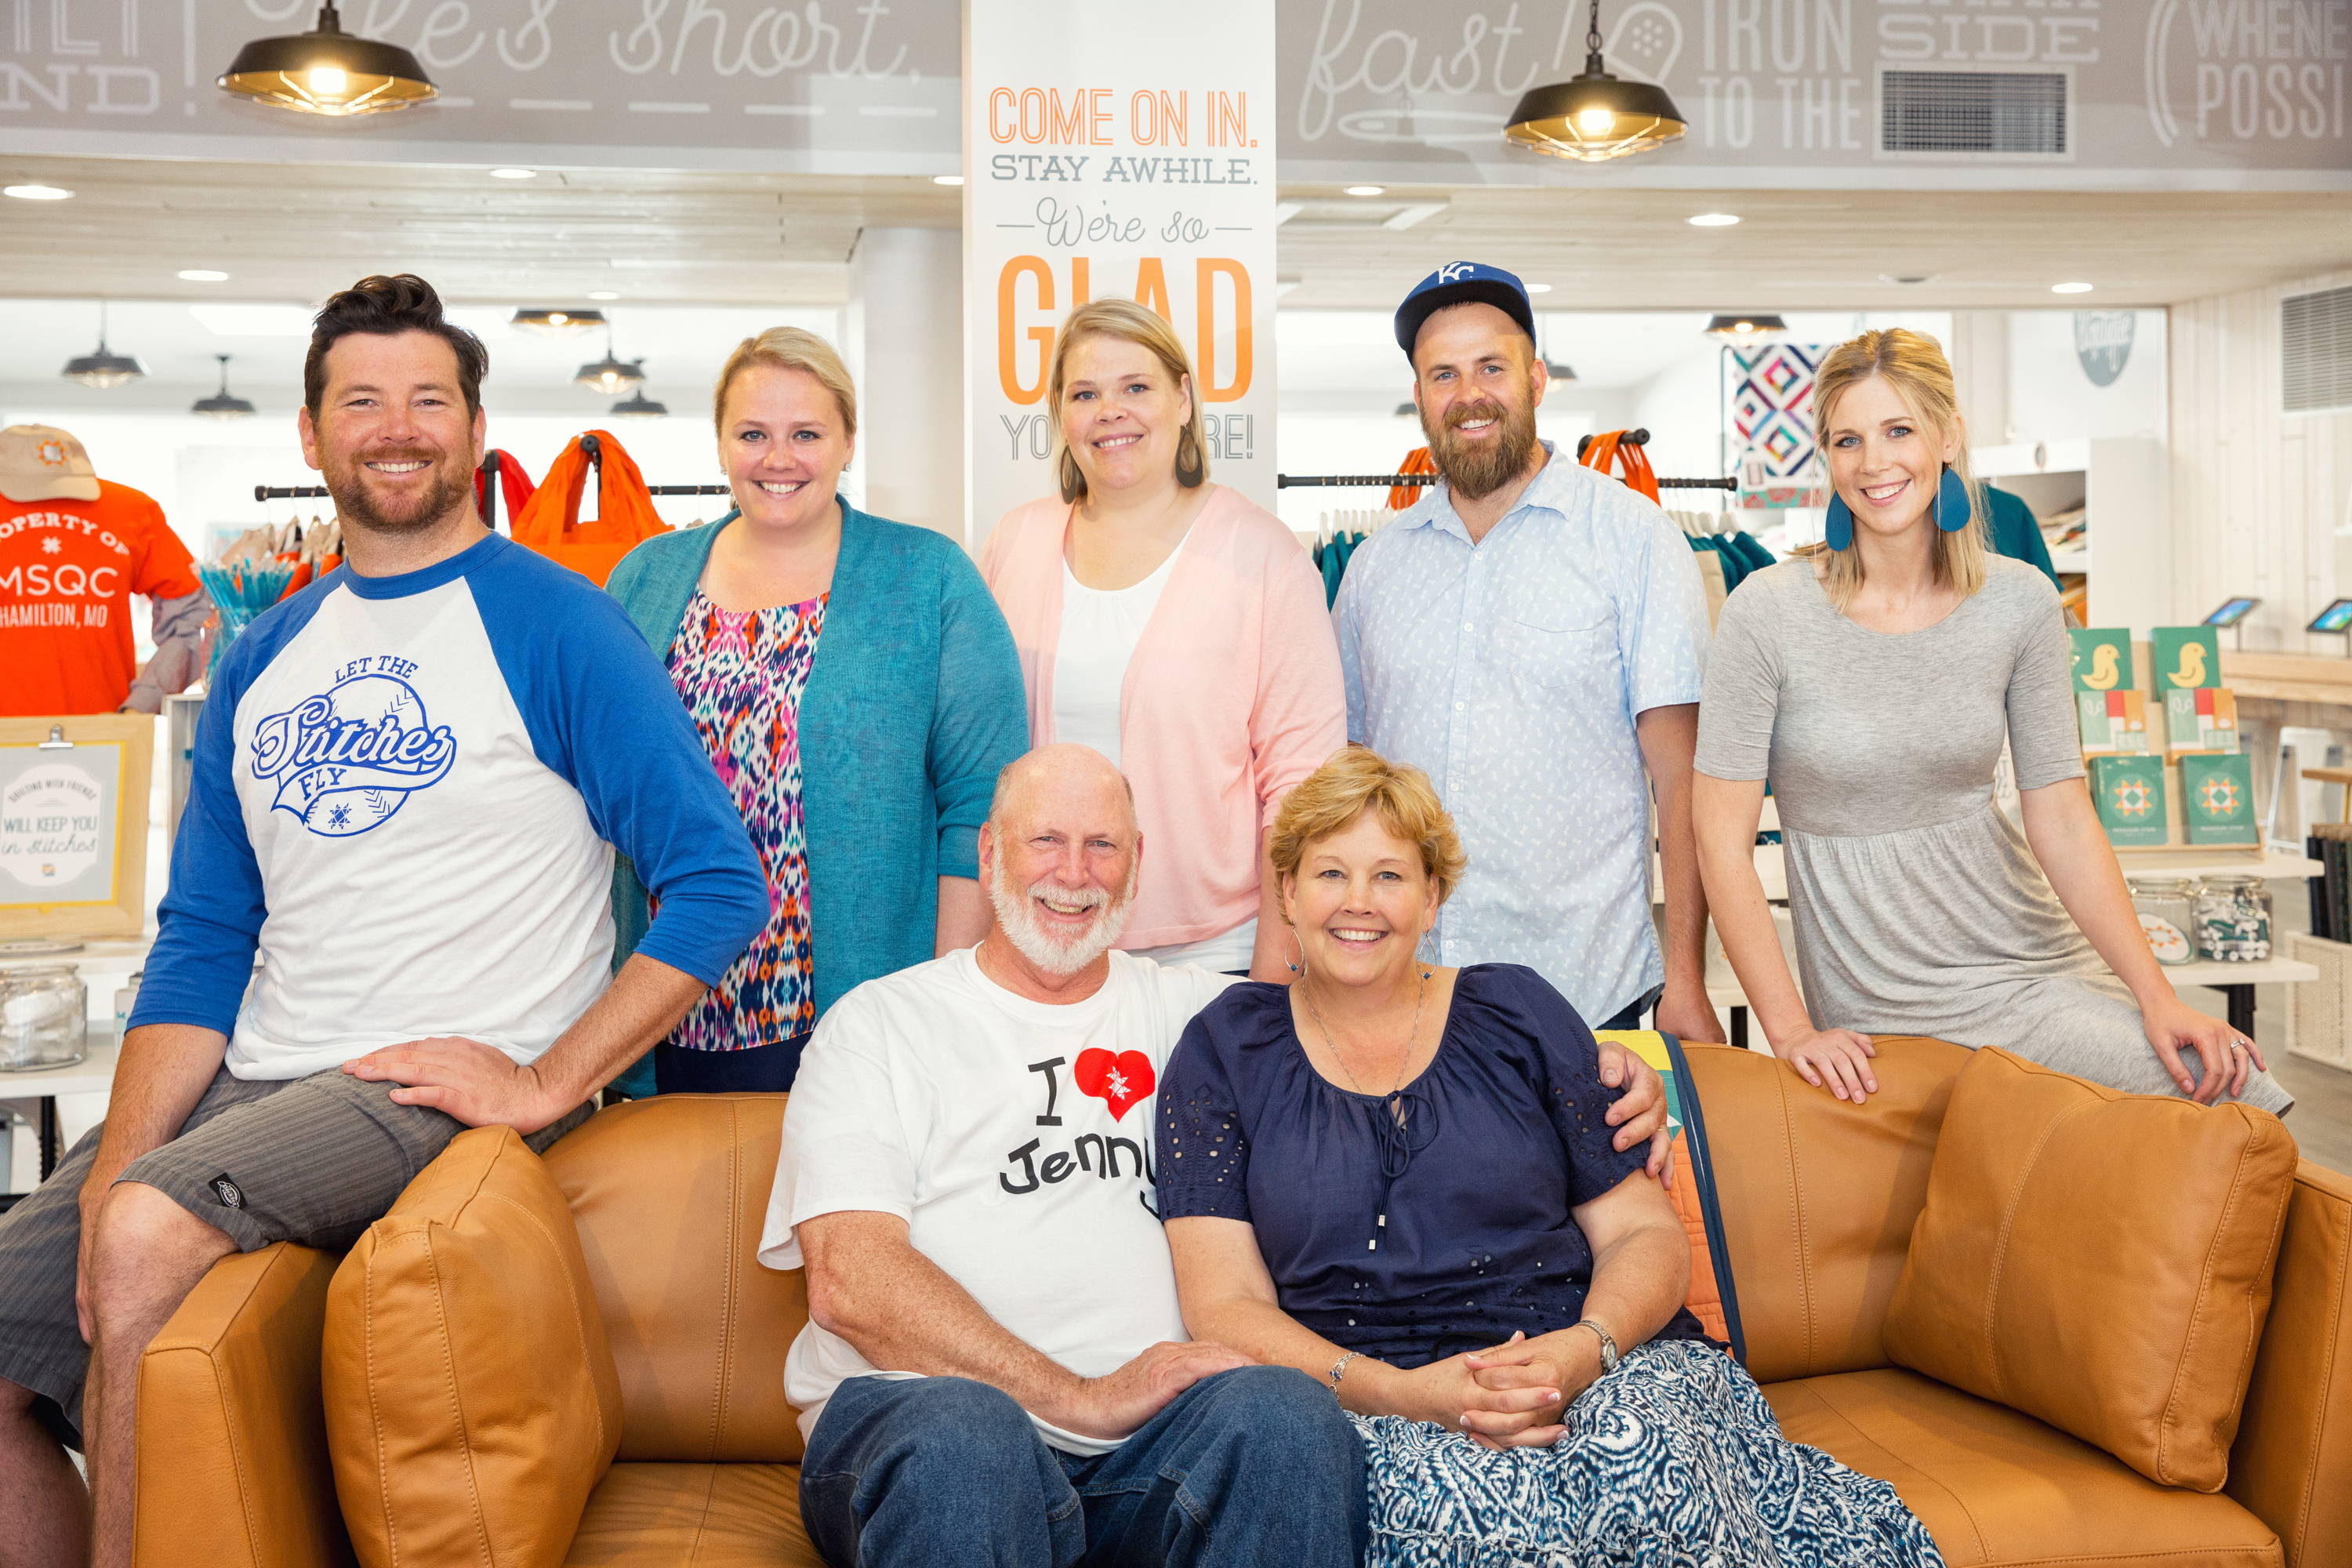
327	71
639	406
611	374
1594	117
222	404
549	321
103	368
1739	327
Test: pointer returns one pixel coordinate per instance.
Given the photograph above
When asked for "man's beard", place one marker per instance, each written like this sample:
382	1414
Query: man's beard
354	507
1480	469
1055	953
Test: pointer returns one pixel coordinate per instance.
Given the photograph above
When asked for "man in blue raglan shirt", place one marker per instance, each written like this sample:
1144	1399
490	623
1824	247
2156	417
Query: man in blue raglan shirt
409	781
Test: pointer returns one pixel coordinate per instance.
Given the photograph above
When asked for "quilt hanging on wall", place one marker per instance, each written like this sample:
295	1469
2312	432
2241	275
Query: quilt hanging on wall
1771	388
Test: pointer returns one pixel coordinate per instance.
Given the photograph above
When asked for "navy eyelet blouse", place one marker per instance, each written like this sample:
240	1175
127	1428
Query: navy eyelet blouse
1415	1237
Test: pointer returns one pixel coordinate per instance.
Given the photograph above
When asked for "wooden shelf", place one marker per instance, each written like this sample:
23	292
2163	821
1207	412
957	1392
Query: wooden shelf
2288	677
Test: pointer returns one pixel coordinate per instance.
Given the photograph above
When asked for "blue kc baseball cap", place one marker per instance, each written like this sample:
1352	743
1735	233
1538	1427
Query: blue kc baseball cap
1463	283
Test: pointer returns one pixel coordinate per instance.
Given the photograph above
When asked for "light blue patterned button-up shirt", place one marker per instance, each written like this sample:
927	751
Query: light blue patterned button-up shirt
1511	671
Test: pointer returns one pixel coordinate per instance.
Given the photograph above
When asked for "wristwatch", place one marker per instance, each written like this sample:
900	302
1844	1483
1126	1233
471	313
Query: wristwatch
1608	1345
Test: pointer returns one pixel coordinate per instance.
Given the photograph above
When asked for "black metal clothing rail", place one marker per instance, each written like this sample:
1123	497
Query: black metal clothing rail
1319	481
1629	438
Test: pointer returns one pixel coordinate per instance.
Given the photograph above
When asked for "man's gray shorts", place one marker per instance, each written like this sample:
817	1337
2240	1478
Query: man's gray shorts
315	1159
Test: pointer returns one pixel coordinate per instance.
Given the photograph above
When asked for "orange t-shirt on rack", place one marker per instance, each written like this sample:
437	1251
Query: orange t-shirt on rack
68	571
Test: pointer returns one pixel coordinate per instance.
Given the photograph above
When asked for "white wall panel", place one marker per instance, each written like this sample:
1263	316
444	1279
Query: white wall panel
2258	493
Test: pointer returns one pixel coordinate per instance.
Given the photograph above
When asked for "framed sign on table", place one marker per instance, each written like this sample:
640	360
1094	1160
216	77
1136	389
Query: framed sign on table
73	824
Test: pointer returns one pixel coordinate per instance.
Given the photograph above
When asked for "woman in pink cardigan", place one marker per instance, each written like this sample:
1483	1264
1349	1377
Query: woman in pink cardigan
1176	629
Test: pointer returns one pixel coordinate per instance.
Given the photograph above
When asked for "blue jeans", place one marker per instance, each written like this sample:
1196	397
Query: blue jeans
1254	1466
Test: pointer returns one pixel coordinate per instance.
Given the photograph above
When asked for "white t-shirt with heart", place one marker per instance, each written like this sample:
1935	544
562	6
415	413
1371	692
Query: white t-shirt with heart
1015	1139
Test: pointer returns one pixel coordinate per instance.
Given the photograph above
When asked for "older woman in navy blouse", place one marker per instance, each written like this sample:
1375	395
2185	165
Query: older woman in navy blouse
1399	1178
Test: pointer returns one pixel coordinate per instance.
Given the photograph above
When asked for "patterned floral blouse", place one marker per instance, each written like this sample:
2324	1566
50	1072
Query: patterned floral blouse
741	674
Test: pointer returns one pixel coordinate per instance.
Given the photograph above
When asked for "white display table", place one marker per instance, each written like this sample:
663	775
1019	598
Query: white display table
94	1074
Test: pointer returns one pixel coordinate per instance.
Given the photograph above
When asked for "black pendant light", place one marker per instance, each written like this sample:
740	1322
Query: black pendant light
104	368
611	373
1595	117
221	404
1741	326
550	322
638	406
327	71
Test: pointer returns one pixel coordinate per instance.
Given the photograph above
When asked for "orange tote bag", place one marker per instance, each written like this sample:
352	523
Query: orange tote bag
1611	450
550	522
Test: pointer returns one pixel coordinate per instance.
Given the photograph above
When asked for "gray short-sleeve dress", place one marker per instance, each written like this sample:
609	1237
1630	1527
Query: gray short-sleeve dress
1918	907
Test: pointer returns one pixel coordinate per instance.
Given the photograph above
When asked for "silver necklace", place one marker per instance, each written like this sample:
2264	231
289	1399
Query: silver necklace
1420	1000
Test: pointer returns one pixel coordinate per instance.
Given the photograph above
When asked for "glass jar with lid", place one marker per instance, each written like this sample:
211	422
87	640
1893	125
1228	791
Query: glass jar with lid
42	1022
2232	916
2167	915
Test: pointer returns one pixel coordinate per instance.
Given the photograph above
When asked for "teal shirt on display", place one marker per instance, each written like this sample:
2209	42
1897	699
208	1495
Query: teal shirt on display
914	706
2016	534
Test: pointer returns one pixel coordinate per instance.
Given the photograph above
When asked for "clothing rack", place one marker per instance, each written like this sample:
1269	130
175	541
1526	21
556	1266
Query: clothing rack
1632	438
593	451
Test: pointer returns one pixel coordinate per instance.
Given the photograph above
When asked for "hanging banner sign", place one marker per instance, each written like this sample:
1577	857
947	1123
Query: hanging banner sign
1131	158
2073	94
855	87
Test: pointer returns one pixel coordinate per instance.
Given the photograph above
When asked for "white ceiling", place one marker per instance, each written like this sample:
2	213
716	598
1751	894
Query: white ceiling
295	232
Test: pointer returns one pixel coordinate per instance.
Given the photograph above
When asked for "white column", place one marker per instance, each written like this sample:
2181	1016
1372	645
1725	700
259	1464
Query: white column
1978	354
904	331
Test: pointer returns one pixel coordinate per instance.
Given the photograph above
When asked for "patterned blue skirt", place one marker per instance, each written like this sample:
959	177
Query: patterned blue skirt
1674	1460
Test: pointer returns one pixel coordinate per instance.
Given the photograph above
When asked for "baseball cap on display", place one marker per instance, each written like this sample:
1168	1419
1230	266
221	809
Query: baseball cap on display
41	462
1463	283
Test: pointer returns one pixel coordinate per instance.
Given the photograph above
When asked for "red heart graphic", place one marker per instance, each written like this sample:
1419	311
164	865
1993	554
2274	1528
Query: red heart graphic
1118	1081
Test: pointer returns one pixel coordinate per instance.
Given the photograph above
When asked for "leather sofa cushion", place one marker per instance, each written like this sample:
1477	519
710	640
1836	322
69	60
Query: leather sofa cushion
231	1386
669	1195
2294	1454
1818	1196
713	1516
1998	1489
2097	1260
471	1405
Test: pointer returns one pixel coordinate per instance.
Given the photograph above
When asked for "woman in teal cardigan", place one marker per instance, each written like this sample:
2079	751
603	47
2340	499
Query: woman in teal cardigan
857	689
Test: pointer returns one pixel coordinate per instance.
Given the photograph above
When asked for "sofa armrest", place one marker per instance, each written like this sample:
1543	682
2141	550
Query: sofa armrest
2294	1450
233	1469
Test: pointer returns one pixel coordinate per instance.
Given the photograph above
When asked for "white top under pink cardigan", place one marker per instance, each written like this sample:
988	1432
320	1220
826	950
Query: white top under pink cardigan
1234	696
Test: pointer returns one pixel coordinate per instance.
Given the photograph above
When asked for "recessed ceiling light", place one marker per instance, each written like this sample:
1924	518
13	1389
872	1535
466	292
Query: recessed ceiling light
1714	220
36	193
202	275
946	179
1538	287
2070	287
1367	189
514	174
604	293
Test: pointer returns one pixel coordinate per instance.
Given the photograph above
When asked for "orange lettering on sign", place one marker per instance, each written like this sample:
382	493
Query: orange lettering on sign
1151	287
1205	306
1008	373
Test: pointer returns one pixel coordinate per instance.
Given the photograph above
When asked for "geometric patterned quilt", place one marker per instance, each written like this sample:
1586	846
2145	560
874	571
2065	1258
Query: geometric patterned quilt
1771	389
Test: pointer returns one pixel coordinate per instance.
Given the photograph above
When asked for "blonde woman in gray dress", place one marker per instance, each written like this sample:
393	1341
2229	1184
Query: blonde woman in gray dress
1874	678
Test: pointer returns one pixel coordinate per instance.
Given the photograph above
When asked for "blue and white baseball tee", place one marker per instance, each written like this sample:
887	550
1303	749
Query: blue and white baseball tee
406	795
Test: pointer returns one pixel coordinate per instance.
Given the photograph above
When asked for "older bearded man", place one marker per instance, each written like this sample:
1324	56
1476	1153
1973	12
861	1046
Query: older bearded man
995	1369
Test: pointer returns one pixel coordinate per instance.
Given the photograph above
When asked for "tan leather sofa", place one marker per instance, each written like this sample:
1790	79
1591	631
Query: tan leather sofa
1818	1200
